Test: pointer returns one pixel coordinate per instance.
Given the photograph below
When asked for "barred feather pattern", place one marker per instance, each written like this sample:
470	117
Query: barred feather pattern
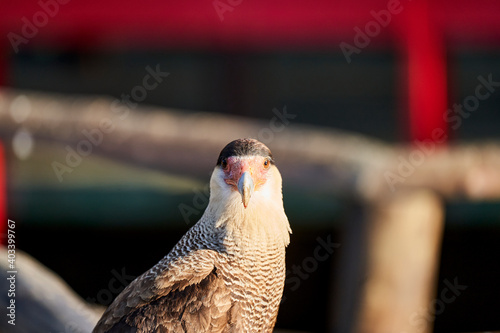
226	274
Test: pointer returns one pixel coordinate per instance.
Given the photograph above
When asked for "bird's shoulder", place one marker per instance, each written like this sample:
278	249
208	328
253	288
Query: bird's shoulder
200	307
174	284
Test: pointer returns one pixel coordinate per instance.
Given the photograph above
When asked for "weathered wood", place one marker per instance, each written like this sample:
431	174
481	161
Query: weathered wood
403	251
325	160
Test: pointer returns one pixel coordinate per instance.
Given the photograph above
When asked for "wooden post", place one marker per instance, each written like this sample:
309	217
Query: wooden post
403	250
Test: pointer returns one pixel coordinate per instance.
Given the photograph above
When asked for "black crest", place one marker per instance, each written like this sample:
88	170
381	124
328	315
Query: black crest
245	147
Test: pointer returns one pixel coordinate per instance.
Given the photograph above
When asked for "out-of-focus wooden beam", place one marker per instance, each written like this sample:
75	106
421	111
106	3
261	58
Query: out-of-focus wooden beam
403	252
314	158
186	142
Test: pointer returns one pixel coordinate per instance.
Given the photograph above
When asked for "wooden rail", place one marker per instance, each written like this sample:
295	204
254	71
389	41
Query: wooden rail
332	161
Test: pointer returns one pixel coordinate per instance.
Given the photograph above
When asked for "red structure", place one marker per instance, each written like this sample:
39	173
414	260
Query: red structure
423	48
423	30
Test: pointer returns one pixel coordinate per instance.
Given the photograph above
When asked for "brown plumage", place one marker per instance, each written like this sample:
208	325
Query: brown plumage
227	272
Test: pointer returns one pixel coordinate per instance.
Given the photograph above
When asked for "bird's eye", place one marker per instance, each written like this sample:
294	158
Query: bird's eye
266	163
223	163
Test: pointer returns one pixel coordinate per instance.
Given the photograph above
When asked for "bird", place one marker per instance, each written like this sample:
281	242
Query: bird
227	273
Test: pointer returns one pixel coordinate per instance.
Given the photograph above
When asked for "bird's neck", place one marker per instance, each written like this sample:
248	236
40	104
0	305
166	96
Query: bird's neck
255	225
263	221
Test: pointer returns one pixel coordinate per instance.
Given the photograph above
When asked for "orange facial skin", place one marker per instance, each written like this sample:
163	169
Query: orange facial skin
257	166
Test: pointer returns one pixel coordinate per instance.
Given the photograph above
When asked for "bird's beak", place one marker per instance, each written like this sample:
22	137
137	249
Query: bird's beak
246	187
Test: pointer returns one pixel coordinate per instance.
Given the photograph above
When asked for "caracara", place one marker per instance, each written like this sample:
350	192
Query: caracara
227	273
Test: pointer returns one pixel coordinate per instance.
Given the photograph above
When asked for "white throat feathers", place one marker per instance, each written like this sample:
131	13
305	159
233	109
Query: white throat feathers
264	219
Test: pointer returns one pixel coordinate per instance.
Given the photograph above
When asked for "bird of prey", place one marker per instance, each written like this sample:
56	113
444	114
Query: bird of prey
227	273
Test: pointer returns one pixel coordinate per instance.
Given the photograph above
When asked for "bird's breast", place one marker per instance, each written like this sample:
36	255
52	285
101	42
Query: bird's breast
255	277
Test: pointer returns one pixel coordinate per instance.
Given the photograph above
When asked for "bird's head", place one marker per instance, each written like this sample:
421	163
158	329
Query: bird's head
245	193
246	166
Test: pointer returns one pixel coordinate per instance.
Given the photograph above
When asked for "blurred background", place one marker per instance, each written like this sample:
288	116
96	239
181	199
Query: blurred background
383	117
